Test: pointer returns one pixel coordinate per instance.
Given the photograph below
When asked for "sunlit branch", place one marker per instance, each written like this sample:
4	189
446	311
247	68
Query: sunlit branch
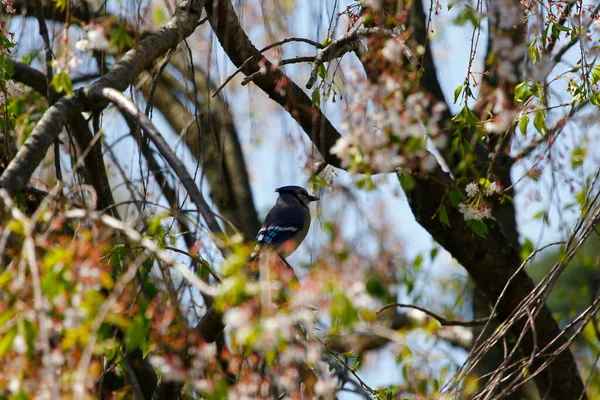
261	51
127	107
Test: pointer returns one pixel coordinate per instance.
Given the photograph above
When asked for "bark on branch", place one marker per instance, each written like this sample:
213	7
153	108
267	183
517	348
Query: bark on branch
276	84
95	171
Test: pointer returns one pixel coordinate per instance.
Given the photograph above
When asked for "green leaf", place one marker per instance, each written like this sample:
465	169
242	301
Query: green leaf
6	342
316	98
366	183
468	15
457	93
478	227
407	181
61	4
418	261
523	92
578	156
456	197
8	67
61	82
466	116
443	215
322	72
434	252
526	249
534	52
523	122
596	74
137	332
595	98
539	121
121	39
343	312
376	288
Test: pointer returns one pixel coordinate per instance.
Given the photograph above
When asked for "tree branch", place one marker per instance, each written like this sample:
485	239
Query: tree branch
120	76
127	107
239	48
347	43
95	171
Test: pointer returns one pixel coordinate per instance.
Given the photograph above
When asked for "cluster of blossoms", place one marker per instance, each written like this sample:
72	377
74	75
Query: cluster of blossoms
94	39
476	208
386	129
286	335
282	342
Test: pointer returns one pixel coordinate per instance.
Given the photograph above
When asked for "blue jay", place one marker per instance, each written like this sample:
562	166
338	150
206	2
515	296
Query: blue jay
286	225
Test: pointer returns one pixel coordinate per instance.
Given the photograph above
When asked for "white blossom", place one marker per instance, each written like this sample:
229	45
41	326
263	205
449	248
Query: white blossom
325	388
95	40
393	50
430	162
341	149
237	317
19	344
374	5
472	189
379	119
494	188
14	385
470	212
12	89
359	296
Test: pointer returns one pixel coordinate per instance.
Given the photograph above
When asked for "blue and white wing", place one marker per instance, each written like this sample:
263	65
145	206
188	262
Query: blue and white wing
276	235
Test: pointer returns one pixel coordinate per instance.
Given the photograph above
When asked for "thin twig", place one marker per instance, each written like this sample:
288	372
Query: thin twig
198	260
443	321
126	106
161	68
260	52
295	60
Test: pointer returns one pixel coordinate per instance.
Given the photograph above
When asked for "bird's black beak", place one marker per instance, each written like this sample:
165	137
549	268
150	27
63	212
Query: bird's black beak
312	198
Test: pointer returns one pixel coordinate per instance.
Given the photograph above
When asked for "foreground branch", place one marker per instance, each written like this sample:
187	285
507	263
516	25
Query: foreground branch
126	106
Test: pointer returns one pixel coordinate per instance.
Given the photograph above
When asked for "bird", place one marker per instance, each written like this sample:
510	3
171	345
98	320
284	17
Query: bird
287	223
